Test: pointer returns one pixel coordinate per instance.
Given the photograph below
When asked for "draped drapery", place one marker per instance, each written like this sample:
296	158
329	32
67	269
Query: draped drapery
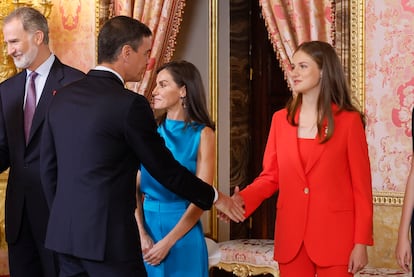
291	22
163	17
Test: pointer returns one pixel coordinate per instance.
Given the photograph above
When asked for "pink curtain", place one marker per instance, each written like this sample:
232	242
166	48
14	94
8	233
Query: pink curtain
163	17
291	22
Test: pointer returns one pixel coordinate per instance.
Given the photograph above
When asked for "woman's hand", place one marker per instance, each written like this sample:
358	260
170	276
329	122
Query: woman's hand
403	253
158	252
358	259
146	242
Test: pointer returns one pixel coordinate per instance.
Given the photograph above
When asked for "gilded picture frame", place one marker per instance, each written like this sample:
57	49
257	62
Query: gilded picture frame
212	230
357	83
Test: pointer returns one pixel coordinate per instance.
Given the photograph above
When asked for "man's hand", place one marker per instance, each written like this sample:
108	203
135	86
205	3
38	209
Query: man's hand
231	207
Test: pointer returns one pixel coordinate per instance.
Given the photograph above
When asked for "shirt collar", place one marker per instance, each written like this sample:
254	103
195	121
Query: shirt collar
44	68
101	67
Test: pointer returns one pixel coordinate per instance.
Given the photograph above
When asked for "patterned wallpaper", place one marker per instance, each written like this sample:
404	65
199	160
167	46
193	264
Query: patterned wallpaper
389	88
72	32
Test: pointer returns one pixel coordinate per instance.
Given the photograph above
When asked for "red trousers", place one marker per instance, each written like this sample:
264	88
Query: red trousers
303	266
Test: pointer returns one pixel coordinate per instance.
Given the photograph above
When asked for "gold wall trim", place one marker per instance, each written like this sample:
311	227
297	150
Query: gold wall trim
382	198
213	89
97	27
3	187
357	52
103	11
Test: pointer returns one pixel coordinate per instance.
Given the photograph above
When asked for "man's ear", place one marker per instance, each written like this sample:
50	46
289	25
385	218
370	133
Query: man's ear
126	51
39	37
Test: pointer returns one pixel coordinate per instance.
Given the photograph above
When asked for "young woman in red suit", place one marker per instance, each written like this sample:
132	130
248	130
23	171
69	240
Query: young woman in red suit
317	158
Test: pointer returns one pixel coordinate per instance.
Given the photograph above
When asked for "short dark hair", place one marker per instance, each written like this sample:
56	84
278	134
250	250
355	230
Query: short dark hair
117	32
32	21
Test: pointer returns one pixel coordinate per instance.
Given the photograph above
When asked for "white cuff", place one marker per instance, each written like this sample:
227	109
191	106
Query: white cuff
216	195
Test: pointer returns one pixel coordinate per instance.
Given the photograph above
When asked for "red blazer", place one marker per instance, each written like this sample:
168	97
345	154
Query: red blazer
327	205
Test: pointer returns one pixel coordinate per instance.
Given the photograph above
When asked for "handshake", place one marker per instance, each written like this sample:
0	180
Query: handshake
230	208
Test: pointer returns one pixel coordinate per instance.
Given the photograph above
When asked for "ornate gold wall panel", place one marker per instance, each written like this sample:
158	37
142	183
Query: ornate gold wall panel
213	92
356	50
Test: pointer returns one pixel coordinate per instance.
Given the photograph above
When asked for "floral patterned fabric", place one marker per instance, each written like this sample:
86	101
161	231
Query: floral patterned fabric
291	22
389	91
163	17
258	252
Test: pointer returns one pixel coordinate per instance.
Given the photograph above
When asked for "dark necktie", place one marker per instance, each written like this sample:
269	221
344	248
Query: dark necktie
30	105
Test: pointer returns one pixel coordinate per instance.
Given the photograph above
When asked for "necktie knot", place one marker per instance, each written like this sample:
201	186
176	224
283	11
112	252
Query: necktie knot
33	75
30	104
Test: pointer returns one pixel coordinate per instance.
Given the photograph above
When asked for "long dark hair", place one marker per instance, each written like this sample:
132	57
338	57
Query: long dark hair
334	88
186	74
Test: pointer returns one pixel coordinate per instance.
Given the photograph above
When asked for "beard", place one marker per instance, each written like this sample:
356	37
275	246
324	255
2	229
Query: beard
26	59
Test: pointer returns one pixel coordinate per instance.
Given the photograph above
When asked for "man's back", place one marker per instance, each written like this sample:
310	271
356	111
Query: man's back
95	197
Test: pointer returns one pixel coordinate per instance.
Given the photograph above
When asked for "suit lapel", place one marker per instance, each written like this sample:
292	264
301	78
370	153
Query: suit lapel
320	147
316	151
315	156
53	81
17	98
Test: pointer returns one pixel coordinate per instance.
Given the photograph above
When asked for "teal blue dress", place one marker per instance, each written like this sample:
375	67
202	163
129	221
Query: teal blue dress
163	209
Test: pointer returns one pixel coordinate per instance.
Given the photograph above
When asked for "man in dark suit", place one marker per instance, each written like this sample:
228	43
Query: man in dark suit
96	135
26	35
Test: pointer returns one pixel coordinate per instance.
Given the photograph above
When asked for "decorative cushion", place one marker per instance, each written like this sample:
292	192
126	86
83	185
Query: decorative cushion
214	254
256	252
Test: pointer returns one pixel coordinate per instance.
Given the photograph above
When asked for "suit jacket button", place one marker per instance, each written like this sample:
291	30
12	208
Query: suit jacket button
306	190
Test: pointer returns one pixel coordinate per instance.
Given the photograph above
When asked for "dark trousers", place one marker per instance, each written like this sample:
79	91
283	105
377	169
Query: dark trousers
28	256
71	266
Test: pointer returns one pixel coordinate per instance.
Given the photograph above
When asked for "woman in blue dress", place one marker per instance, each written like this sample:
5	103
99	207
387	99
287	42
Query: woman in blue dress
171	233
404	250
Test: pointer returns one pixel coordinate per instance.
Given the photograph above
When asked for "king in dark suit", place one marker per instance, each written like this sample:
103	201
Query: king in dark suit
26	35
96	135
